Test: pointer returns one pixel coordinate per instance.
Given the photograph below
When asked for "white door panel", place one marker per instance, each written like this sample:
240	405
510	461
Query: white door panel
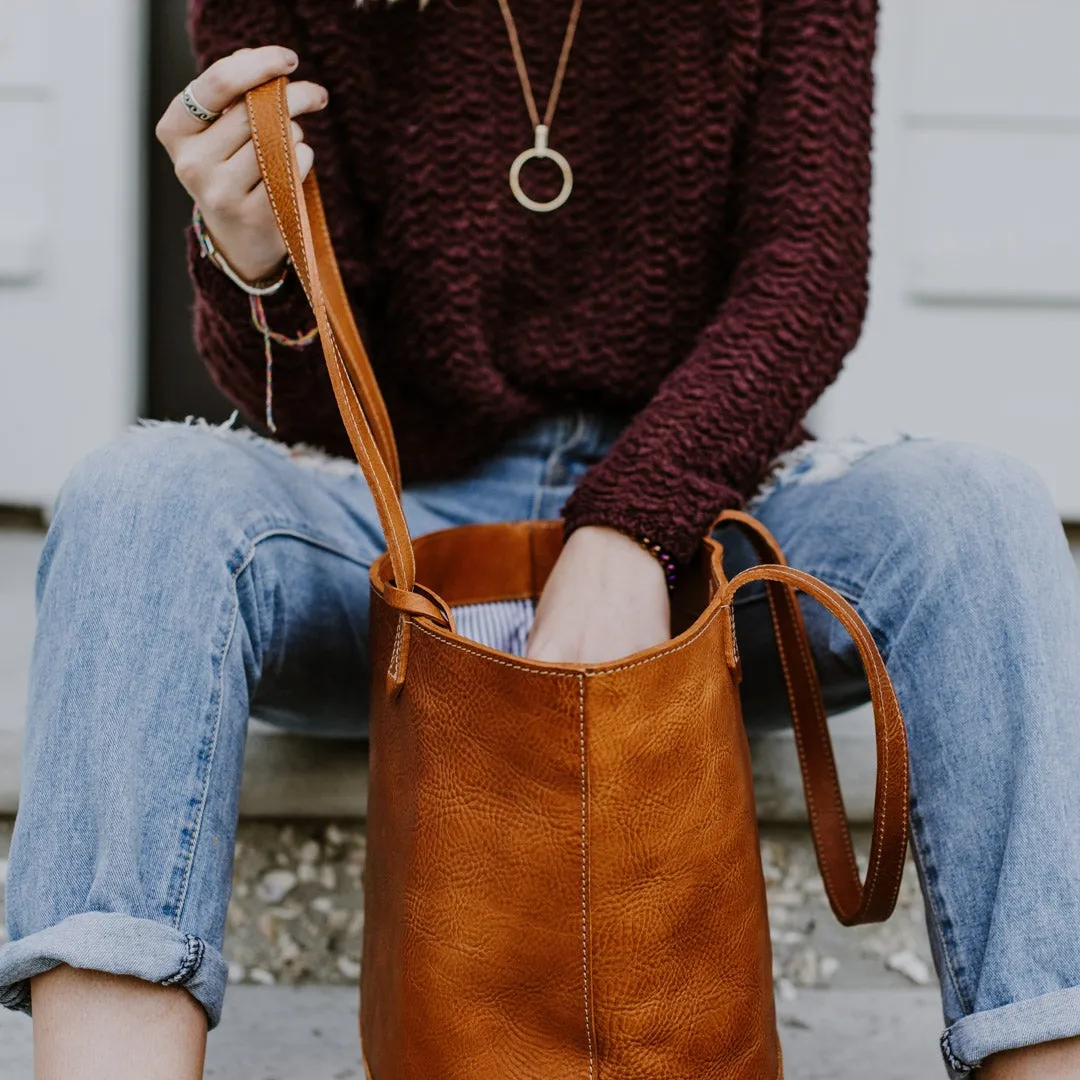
22	45
973	331
1005	377
22	194
999	59
69	235
993	215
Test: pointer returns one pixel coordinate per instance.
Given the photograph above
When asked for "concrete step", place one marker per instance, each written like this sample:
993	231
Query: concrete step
290	777
309	1033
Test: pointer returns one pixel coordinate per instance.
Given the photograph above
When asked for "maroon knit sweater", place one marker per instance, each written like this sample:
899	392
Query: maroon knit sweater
707	276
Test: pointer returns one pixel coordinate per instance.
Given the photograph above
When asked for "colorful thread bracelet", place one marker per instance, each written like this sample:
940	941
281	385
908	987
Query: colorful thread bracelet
270	338
663	558
209	251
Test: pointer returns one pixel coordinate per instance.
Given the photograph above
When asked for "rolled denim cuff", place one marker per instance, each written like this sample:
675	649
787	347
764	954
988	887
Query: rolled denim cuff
118	945
972	1039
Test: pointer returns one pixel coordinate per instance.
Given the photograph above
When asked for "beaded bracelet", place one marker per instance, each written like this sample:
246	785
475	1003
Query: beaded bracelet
663	558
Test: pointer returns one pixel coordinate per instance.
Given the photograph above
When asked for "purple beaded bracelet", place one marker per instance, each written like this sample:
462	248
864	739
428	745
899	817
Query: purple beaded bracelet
663	558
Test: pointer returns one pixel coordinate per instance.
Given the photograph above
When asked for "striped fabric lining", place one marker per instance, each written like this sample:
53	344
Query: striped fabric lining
503	625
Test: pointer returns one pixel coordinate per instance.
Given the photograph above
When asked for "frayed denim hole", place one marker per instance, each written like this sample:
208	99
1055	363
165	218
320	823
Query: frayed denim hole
817	461
302	454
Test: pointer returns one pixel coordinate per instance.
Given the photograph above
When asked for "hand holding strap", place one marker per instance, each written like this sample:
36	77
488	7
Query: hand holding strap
851	901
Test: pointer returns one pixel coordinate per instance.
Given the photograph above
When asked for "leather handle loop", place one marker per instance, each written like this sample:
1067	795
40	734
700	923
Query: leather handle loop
852	901
348	336
296	206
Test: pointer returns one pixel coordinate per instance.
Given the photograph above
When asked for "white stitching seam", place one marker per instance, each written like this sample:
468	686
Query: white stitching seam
395	658
585	875
574	674
810	675
808	789
879	829
888	713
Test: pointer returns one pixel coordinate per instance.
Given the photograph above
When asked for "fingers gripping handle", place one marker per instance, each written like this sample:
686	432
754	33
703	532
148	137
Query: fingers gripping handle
315	265
851	900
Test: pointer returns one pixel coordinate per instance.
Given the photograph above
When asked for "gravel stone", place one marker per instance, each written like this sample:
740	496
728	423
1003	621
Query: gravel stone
349	967
275	886
296	914
909	965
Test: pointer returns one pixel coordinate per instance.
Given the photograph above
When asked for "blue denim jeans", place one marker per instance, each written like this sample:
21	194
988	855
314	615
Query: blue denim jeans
194	576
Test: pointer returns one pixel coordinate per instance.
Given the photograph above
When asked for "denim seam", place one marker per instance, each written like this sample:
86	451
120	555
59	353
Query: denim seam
956	1064
17	997
193	957
219	693
268	532
935	902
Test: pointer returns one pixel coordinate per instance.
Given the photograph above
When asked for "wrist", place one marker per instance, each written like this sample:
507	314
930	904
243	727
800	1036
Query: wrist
260	282
610	546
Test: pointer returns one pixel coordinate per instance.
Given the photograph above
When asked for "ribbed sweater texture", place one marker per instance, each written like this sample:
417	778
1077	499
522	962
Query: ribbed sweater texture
705	280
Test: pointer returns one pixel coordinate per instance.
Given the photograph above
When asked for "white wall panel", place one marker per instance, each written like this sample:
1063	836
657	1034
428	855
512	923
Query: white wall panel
993	215
973	331
991	58
69	235
23	125
23	45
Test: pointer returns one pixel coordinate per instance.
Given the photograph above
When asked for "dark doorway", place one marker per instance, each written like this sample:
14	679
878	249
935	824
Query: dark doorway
177	383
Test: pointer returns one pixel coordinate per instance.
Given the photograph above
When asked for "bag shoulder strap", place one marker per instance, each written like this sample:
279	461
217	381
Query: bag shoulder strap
851	900
295	207
298	211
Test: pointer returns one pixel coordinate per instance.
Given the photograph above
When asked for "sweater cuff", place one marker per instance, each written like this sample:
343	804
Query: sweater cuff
677	514
287	310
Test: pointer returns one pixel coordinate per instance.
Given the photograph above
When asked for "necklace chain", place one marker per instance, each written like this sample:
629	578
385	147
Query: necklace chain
541	128
523	71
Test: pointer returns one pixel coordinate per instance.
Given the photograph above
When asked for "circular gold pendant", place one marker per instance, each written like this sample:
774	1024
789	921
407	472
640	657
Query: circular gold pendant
541	150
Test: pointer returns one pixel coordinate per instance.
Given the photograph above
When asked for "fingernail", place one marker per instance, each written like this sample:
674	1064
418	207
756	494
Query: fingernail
323	100
292	58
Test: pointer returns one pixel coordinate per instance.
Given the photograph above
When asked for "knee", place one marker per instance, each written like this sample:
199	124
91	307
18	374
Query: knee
965	504
158	488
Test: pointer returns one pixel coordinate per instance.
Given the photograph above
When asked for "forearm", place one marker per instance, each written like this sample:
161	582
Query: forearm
794	305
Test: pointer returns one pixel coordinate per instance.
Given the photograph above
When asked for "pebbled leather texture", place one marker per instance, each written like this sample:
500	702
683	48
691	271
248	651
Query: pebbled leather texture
563	879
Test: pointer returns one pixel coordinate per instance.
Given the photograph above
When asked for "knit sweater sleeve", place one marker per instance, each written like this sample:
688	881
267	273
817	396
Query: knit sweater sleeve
795	302
231	346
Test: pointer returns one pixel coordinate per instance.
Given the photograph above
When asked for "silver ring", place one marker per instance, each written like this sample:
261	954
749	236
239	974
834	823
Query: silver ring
191	103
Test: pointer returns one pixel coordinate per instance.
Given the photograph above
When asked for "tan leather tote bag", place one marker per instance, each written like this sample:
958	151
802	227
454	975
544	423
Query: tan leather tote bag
563	875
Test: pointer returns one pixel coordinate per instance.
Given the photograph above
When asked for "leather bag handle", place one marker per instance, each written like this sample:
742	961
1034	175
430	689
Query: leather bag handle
300	218
300	215
851	900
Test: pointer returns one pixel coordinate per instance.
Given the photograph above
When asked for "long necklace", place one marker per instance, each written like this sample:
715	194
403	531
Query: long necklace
541	149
